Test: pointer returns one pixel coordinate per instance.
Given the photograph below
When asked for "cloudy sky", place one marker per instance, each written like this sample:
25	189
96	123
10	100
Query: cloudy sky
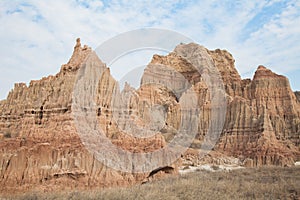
37	36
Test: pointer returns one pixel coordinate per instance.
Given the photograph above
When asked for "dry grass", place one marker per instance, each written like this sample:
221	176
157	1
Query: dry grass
261	183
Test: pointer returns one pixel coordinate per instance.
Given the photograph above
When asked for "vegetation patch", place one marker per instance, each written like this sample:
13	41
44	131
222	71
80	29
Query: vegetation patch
248	183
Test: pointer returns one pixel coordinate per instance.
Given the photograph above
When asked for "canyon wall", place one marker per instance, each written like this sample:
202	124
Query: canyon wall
40	146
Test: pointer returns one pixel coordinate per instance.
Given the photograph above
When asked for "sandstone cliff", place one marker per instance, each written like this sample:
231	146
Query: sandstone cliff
263	121
262	118
40	144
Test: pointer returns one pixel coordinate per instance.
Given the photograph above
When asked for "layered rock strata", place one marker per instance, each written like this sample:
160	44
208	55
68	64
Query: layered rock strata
40	144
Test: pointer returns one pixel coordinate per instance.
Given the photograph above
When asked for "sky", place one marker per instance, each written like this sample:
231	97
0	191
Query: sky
38	36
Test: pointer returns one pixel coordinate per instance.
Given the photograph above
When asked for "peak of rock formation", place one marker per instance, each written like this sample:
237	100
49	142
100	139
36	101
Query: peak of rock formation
262	72
40	145
79	55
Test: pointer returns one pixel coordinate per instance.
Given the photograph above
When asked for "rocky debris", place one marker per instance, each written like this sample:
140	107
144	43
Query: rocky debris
209	167
40	146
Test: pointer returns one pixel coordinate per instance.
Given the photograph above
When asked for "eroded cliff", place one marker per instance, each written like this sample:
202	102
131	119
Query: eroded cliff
40	144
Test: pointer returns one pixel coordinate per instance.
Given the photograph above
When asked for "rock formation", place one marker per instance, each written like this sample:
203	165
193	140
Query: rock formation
297	93
263	121
40	146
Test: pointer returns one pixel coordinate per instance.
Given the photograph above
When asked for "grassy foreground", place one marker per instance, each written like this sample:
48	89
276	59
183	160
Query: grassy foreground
260	183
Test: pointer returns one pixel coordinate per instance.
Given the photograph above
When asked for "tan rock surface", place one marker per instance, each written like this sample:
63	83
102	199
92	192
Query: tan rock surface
263	123
297	93
40	146
45	150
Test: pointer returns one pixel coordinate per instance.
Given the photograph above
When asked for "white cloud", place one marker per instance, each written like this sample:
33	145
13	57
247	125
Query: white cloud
276	43
38	36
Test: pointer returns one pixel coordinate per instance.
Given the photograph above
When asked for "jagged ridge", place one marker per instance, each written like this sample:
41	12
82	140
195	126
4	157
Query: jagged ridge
262	124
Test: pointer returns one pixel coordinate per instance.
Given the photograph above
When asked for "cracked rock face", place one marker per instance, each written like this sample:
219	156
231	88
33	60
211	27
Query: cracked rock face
263	122
40	146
